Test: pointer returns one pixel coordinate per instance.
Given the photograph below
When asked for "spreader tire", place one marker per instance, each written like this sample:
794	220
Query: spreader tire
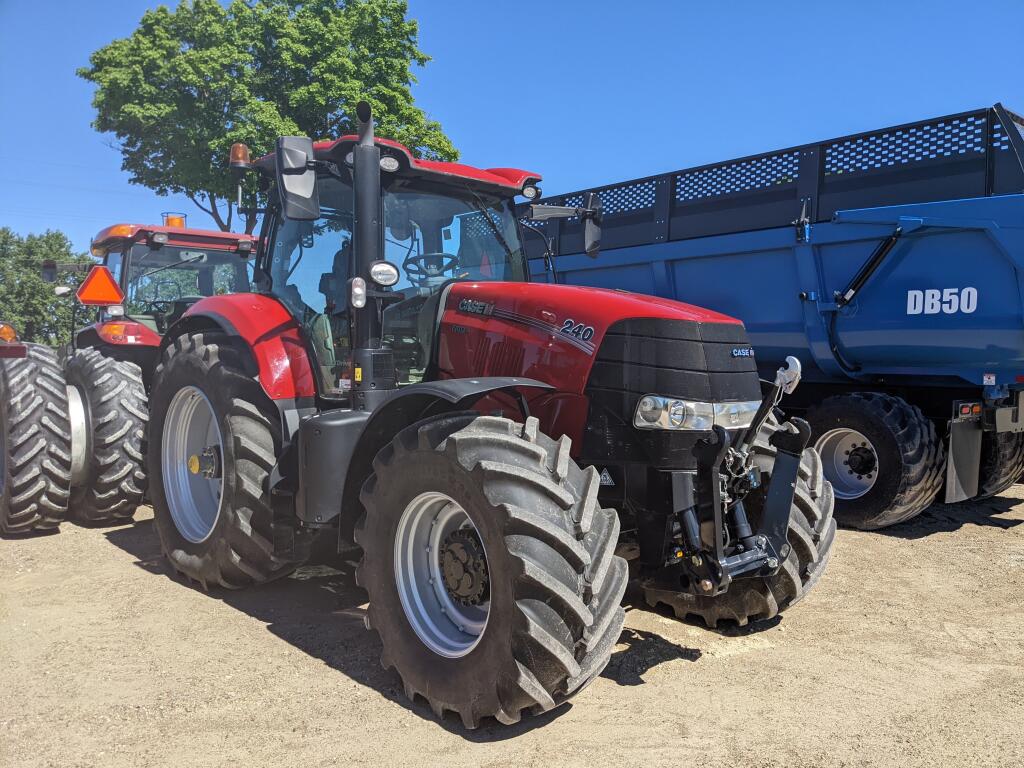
35	442
214	533
1002	462
887	434
116	412
552	614
811	535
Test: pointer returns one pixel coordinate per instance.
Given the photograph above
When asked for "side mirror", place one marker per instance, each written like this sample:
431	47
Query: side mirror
296	178
590	213
49	271
592	218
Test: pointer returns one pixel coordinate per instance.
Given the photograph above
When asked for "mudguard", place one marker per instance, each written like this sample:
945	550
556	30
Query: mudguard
407	406
269	330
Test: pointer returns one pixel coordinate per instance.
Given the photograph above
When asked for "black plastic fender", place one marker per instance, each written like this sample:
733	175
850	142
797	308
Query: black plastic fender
337	448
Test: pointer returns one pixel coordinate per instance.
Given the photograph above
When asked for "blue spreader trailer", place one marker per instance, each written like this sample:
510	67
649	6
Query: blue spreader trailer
890	263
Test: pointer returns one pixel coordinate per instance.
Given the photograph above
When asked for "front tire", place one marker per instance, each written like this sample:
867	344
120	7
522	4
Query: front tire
116	412
811	535
525	553
883	457
35	442
214	439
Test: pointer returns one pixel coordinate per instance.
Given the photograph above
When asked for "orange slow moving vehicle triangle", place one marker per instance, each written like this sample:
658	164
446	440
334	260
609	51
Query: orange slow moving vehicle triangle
99	288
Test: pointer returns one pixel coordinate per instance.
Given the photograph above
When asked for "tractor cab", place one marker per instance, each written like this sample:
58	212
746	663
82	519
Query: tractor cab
163	270
438	228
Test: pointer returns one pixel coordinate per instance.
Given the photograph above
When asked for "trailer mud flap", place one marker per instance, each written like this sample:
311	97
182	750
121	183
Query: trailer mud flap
963	461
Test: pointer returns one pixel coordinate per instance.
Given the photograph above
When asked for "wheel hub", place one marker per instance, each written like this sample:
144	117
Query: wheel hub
849	460
207	463
464	567
862	460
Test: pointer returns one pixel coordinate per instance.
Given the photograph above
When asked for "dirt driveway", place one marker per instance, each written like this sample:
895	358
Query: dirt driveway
909	652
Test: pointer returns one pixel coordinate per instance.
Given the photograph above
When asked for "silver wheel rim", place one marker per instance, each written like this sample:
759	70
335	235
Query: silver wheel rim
190	433
447	627
850	462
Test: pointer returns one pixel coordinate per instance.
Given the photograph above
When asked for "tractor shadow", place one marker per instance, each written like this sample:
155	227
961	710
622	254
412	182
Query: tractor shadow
319	610
947	518
644	650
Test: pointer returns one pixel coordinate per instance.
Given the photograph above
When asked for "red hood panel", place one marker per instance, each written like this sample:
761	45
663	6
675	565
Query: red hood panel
542	331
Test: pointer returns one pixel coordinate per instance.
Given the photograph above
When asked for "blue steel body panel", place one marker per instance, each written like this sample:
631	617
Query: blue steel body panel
761	276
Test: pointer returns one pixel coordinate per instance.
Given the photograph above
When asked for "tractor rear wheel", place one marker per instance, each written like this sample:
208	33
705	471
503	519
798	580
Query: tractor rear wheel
490	567
35	442
811	535
1002	462
883	457
214	439
115	413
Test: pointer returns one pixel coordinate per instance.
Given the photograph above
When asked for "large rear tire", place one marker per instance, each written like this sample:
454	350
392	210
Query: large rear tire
214	439
1002	462
883	457
35	442
116	413
513	604
811	535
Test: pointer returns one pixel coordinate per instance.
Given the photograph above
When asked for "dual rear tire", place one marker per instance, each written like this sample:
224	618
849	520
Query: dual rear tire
35	443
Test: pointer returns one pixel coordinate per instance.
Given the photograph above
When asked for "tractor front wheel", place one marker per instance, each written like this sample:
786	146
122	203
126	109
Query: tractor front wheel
213	442
490	567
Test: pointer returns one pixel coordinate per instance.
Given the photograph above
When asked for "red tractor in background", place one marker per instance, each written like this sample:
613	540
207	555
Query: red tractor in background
150	275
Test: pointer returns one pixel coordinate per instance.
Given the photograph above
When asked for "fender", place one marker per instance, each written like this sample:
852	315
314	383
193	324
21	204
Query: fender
337	448
268	329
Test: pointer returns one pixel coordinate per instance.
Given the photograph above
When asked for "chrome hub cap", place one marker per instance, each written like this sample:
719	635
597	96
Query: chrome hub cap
850	462
190	461
442	575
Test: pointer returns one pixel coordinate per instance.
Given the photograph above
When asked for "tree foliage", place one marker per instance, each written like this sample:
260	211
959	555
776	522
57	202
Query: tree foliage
189	82
26	300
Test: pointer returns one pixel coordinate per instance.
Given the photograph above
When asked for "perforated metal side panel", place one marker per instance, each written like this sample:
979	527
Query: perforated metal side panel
744	176
922	142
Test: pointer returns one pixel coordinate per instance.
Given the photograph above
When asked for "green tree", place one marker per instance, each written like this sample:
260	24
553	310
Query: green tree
189	82
26	300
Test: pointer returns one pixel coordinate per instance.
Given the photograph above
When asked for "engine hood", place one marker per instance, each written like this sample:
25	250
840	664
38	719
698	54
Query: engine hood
551	332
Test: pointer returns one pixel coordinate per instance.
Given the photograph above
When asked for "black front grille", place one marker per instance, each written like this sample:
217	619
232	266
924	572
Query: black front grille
708	362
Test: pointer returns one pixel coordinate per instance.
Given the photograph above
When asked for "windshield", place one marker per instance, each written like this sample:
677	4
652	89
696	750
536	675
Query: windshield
433	233
161	282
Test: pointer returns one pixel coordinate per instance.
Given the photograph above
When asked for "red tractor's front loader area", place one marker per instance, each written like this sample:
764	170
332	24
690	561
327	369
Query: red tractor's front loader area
92	399
395	379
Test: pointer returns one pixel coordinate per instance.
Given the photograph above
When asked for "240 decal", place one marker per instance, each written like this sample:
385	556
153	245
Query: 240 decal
571	328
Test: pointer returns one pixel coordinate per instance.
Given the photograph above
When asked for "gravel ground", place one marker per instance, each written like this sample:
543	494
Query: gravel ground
908	653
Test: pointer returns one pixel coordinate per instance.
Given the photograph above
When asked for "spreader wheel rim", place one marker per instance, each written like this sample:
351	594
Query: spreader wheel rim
838	448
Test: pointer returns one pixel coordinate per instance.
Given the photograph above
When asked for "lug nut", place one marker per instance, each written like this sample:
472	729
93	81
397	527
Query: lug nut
706	585
773	562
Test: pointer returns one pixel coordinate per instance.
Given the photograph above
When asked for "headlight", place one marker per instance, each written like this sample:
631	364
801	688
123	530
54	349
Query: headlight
657	412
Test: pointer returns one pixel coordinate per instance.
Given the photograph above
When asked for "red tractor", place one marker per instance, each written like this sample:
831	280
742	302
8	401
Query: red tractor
96	394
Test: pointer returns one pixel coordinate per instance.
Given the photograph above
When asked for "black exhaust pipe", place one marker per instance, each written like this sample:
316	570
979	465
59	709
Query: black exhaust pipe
374	374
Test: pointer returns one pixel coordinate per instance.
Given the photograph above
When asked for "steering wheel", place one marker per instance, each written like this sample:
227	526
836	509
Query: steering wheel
424	269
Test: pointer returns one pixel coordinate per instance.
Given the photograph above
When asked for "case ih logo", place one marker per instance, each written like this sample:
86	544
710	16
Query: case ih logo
743	352
475	307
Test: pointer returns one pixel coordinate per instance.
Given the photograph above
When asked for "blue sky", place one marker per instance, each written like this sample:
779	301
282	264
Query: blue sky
582	92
